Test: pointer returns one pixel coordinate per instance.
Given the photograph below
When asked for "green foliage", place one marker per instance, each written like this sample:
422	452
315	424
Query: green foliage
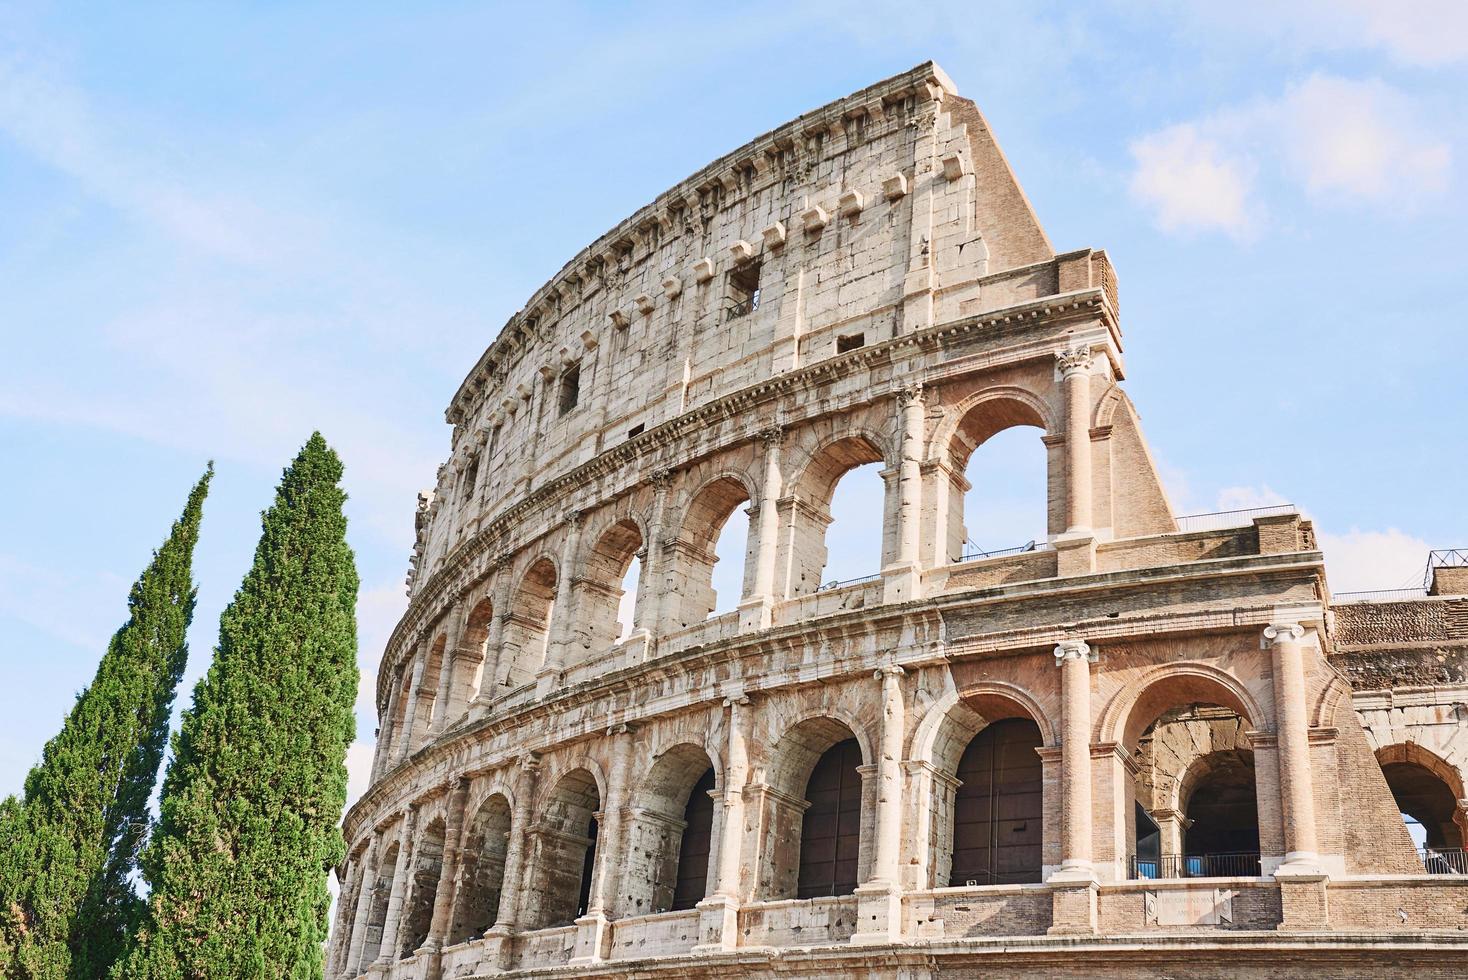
251	803
67	850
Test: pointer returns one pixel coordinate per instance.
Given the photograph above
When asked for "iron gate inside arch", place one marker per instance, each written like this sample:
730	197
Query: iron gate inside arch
998	810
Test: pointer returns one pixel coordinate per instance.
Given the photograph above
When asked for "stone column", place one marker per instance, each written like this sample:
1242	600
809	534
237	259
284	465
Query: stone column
1077	546
448	875
879	900
1074	898
1297	793
755	609
446	668
902	580
652	590
401	873
512	884
352	965
410	711
562	610
494	644
386	735
594	929
718	926
346	913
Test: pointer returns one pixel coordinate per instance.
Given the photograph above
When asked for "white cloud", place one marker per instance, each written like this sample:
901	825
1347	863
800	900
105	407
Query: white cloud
1192	183
1361	561
1344	142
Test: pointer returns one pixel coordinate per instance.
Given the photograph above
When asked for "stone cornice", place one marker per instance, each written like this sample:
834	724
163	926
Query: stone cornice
470	560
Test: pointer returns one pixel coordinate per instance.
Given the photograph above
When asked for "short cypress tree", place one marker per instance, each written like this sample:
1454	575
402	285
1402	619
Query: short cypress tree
249	816
68	850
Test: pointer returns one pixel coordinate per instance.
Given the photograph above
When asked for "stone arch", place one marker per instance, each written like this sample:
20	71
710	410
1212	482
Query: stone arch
564	848
482	868
794	826
598	585
1106	406
1334	695
382	879
1132	709
528	622
423	880
470	660
1003	700
1227	821
671	827
809	494
397	732
691	568
966	426
1429	789
426	713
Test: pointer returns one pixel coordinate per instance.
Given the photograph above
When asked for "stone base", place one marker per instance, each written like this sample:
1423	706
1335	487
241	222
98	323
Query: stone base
718	925
878	915
498	948
1303	899
901	583
754	613
1075	553
1073	901
547	682
593	939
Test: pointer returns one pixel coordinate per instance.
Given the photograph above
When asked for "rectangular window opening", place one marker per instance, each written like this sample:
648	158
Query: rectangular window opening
570	388
850	342
744	292
635	431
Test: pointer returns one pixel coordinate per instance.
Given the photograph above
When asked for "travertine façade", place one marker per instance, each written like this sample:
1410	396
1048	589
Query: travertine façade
1145	745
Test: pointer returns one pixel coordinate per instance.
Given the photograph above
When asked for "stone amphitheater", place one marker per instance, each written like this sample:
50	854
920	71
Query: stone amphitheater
1147	745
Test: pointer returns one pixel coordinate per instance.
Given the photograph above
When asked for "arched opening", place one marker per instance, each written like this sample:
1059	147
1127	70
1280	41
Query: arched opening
469	664
814	814
709	569
998	811
426	714
527	630
559	890
482	871
840	517
377	912
629	607
1425	797
601	588
997	499
1196	792
397	734
671	832
423	887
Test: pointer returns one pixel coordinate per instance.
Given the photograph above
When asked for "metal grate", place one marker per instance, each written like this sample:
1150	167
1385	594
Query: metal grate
1446	861
1244	864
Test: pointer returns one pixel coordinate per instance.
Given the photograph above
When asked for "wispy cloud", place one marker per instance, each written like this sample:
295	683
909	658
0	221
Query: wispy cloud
1343	142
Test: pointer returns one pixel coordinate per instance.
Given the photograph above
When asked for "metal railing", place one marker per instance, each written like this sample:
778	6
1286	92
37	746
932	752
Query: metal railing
1444	861
1221	519
1379	595
1443	558
973	552
1244	864
848	581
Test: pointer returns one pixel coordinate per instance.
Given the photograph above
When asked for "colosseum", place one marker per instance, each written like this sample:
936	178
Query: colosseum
1147	745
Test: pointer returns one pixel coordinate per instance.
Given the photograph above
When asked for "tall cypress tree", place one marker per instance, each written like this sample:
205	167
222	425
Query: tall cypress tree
251	803
67	850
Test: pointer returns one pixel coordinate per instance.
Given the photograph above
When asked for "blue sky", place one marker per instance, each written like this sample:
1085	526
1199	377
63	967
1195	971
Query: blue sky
223	226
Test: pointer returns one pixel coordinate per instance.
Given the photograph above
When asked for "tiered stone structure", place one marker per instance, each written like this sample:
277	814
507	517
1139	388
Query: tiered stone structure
1140	747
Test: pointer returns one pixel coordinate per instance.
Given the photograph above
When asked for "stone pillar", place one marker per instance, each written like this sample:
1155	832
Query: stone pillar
718	927
756	608
497	944
352	965
879	900
1302	882
383	753
401	873
652	590
494	644
1074	897
448	879
1077	546
410	711
594	929
902	580
346	914
442	697
562	610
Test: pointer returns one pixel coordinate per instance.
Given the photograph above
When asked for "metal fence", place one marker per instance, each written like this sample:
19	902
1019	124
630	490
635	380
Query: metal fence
848	581
1445	861
1379	595
973	552
1238	865
1219	520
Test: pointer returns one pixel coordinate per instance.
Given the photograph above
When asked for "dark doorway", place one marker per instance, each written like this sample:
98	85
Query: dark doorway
1223	810
588	867
998	810
830	833
693	851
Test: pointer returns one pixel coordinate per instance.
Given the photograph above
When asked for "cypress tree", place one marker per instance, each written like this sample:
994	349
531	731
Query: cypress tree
249	816
68	849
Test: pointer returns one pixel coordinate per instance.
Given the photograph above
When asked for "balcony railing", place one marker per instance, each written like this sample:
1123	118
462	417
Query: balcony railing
1446	861
1380	595
1219	520
973	552
1243	864
829	586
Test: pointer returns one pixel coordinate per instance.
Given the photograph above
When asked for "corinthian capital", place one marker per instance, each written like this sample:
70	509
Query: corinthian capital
773	435
1076	360
1074	650
910	394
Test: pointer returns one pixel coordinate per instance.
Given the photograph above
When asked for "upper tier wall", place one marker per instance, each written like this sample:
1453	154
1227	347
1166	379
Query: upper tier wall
877	215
